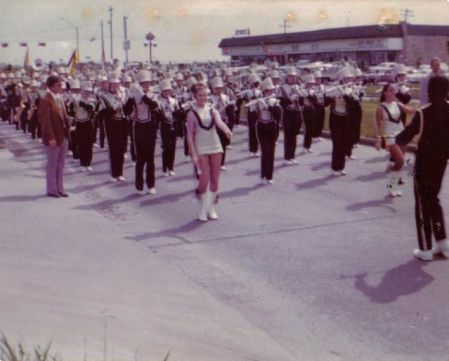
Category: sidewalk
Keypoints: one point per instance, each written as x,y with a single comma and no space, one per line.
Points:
69,277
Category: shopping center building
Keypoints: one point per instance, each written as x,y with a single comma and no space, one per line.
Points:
367,45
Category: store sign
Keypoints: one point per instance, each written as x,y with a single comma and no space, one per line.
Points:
242,32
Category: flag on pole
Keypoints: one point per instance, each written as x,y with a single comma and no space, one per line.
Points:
72,63
26,61
23,45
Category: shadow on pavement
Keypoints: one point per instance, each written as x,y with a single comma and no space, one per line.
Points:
385,202
85,188
239,192
376,160
372,176
165,199
403,280
171,232
108,204
320,166
315,182
22,198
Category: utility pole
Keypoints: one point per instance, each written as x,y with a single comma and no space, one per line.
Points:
126,43
406,13
103,56
285,25
110,30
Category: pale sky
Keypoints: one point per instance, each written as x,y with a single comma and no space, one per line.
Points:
184,30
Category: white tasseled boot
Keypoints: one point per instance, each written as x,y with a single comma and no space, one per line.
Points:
392,184
202,214
212,200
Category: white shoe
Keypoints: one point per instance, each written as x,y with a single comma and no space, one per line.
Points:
319,139
392,193
89,169
165,174
288,162
294,161
355,146
352,157
343,172
263,181
443,247
309,150
96,145
141,192
83,169
270,181
152,191
202,214
125,156
171,173
423,255
114,180
229,147
70,153
121,179
336,173
223,168
212,200
398,193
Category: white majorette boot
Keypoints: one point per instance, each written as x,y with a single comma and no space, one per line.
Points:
202,214
212,200
392,184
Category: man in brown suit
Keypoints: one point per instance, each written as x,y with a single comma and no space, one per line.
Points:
55,129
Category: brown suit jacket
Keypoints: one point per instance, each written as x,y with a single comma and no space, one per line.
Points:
54,121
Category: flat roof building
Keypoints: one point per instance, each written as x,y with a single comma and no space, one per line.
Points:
367,45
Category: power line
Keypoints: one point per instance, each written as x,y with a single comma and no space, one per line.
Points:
407,13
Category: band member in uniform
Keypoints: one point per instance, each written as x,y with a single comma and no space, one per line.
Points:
431,124
340,98
206,150
171,114
99,119
69,98
308,111
34,99
247,96
388,118
112,111
227,110
355,111
84,107
320,112
291,99
145,117
402,90
267,126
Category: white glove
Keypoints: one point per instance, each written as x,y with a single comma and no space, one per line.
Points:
349,91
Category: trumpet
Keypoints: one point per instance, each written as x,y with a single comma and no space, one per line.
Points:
269,101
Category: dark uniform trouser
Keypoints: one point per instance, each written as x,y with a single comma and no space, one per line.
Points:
252,137
339,127
309,120
117,135
355,125
168,138
24,125
266,134
145,145
73,144
85,139
292,124
35,127
131,137
224,140
100,124
318,126
428,212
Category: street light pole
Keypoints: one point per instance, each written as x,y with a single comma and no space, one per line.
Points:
77,33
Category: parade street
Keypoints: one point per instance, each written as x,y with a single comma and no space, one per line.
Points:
313,267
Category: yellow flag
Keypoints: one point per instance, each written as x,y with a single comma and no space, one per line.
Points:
26,61
72,63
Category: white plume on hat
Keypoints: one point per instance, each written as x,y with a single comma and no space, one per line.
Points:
344,72
216,82
308,78
267,84
143,76
165,85
253,78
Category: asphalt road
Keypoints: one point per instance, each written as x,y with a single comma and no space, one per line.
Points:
318,267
